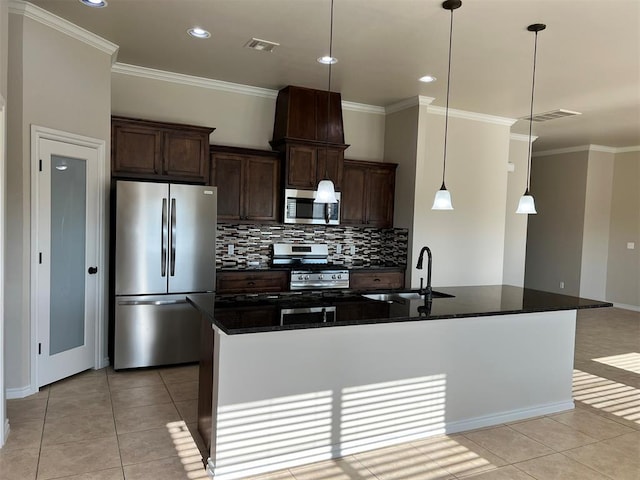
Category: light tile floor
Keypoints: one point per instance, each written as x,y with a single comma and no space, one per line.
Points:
139,425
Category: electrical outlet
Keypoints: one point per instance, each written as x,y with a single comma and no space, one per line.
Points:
230,249
338,249
561,284
353,249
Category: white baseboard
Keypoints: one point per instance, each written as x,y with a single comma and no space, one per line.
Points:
233,472
634,308
22,392
103,364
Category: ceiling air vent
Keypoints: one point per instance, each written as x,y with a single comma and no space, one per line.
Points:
262,45
553,114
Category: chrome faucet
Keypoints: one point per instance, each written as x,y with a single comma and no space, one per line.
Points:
427,292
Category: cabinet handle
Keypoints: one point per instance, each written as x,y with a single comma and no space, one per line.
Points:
251,284
376,279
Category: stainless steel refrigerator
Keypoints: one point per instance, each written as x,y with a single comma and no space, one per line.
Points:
164,250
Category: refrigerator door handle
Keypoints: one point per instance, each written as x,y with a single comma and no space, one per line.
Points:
173,238
163,250
151,302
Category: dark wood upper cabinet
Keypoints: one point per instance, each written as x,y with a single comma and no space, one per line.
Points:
144,149
368,190
306,114
248,183
308,129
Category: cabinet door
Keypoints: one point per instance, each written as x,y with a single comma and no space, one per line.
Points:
185,156
252,281
301,166
136,151
379,202
261,189
226,174
353,195
330,165
372,280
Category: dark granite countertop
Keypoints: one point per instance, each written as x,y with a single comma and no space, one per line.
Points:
238,314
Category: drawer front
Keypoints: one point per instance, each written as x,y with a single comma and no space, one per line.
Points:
368,280
253,282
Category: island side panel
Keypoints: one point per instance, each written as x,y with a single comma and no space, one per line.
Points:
292,397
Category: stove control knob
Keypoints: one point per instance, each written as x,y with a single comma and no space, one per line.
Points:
339,276
306,277
333,277
300,277
320,277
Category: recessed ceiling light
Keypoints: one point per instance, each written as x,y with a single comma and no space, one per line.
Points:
327,60
427,79
94,3
198,32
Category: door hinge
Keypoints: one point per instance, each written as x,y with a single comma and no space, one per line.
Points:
39,349
40,257
40,165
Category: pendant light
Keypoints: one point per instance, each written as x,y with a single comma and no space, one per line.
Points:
442,199
527,205
326,192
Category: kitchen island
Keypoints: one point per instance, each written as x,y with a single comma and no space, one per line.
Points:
353,374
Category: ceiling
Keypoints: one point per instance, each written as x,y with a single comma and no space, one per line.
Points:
588,57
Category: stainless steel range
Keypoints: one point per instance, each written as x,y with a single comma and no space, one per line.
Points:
310,268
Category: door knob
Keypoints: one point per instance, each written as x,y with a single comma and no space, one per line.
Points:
93,270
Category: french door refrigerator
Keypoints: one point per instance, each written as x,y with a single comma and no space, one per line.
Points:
164,250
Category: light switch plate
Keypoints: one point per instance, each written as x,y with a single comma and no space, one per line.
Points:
631,245
338,248
230,249
353,249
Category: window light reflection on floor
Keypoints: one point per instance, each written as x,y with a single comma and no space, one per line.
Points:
187,450
609,396
627,361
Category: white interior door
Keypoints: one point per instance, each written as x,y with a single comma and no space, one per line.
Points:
66,248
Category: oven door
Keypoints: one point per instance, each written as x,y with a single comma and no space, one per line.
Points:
297,316
299,207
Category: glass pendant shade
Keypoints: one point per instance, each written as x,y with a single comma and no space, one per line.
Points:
526,205
442,201
326,192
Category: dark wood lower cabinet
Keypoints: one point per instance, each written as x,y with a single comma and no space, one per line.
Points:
376,279
252,281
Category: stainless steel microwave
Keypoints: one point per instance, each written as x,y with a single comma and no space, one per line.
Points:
299,207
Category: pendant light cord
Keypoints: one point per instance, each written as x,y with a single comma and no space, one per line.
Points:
533,87
446,114
326,147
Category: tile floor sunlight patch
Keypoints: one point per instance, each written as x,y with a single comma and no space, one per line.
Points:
626,361
187,450
612,397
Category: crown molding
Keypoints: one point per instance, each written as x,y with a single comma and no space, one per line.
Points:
418,100
192,81
201,82
363,108
587,148
634,148
480,117
519,137
33,12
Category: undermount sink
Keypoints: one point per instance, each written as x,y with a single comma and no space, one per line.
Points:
402,297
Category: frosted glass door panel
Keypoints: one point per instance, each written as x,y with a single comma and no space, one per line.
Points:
68,227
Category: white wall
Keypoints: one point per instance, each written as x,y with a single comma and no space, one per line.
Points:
4,28
468,242
623,265
515,233
54,81
597,216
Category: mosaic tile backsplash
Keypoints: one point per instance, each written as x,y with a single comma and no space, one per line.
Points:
252,244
